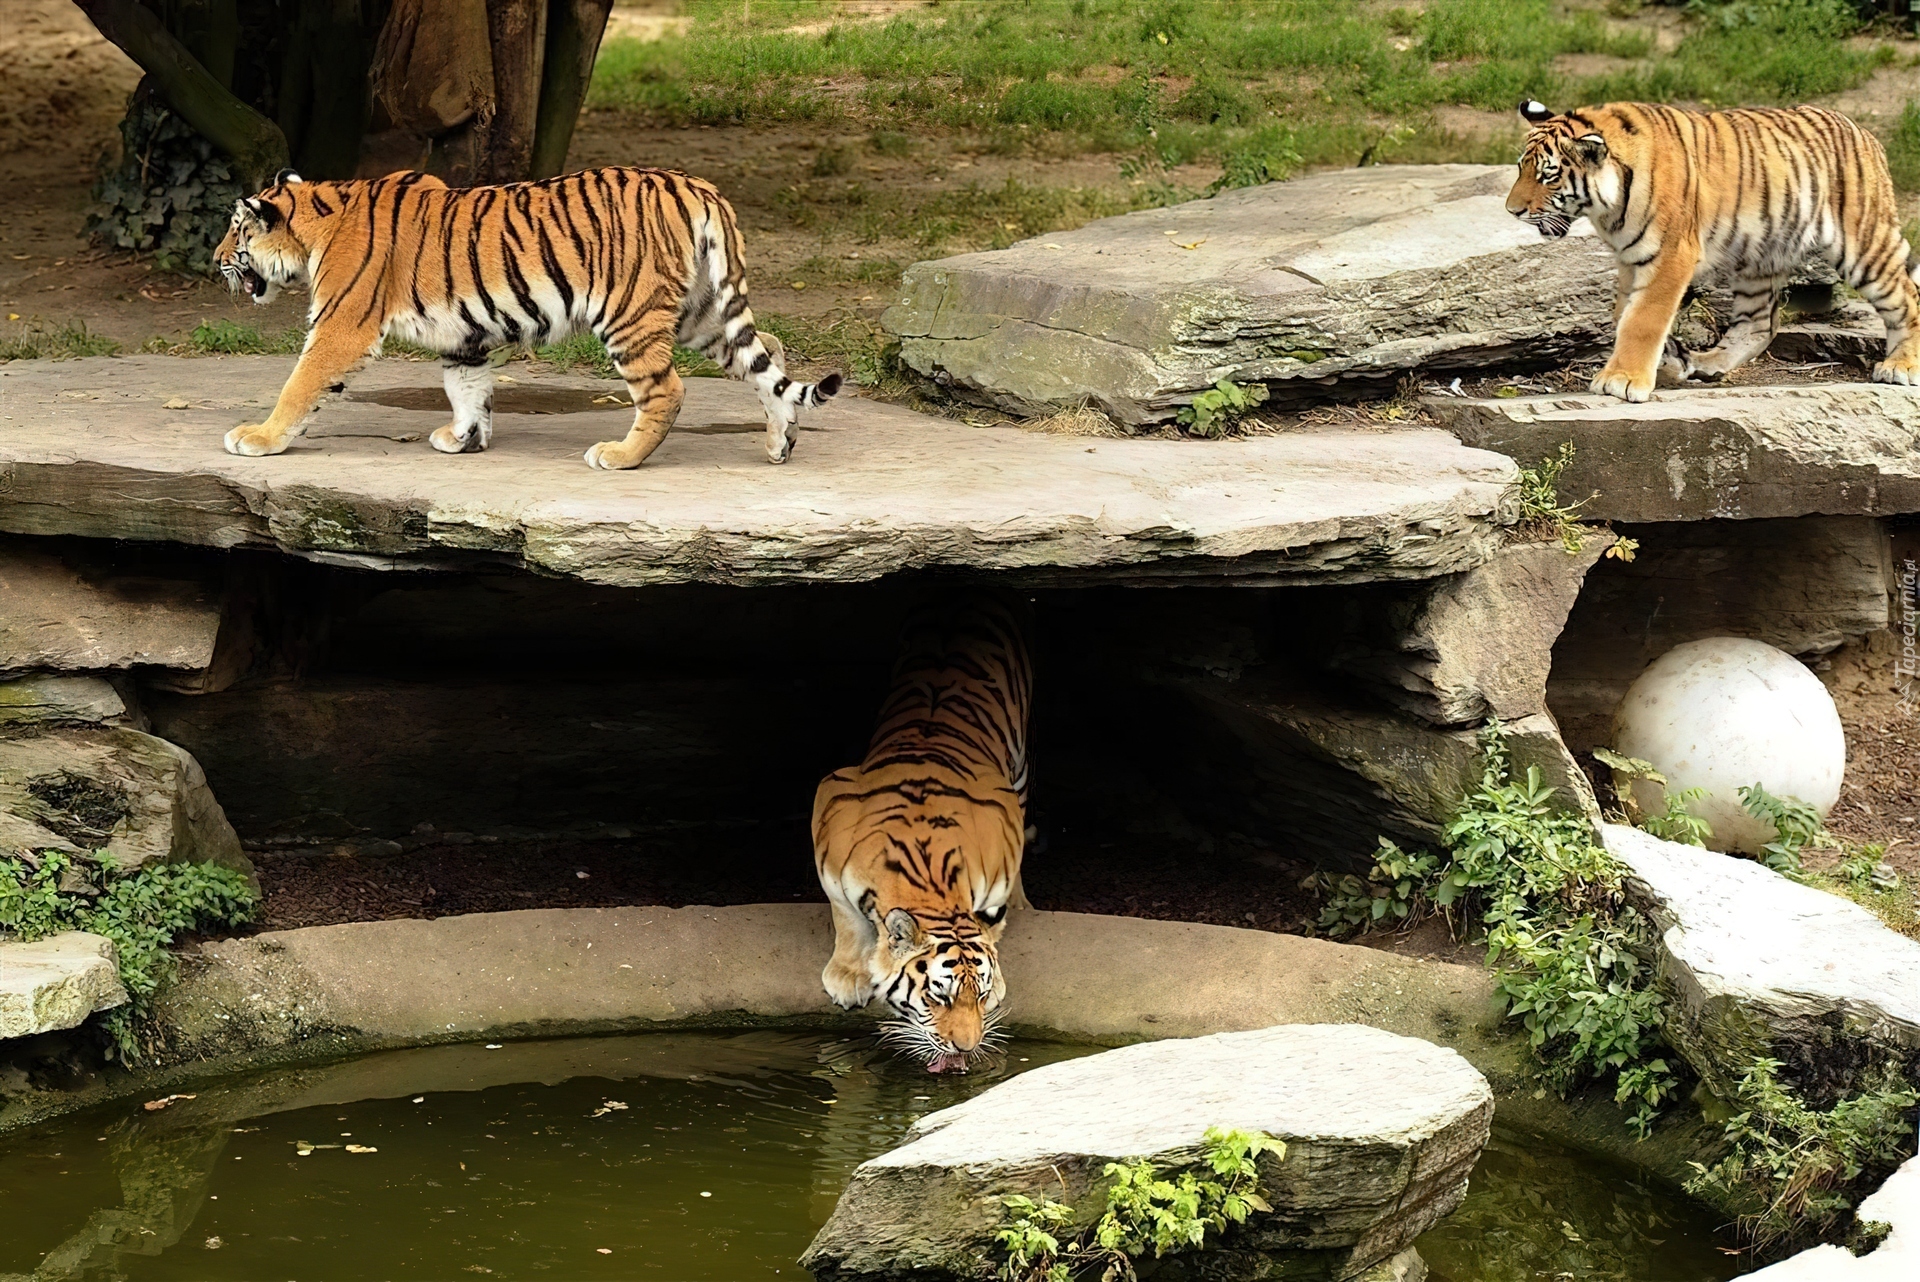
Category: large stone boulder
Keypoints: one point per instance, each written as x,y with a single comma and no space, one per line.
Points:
1693,453
110,789
48,698
1352,276
56,982
1756,964
78,618
1381,1132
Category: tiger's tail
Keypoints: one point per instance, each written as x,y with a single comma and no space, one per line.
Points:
716,322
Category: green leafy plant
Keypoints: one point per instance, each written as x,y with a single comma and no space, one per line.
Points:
1542,516
1571,956
1269,156
1796,827
1675,822
1806,1168
140,912
1396,888
1148,1211
1213,413
68,341
171,192
225,337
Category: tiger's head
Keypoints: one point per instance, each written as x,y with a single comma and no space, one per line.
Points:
1563,168
940,975
262,250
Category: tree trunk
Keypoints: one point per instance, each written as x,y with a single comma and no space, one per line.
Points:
334,41
257,146
574,28
517,31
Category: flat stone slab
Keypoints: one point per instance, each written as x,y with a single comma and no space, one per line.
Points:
69,619
1757,964
51,698
56,982
1381,1133
1691,454
1358,275
89,447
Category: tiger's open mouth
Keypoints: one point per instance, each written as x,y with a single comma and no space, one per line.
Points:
254,283
951,1062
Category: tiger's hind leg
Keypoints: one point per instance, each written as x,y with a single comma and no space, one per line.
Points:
657,393
1756,318
469,384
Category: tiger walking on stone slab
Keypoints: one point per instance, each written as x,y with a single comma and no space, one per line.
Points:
919,847
1743,196
644,259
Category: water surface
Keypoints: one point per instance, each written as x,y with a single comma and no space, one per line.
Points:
684,1156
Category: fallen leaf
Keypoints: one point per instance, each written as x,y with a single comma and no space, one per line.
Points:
406,438
13,315
608,1106
799,284
1191,244
505,378
363,1148
604,1250
176,403
214,1243
155,1105
493,1046
1049,245
611,398
303,1148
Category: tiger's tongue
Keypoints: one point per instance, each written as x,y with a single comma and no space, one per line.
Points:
947,1064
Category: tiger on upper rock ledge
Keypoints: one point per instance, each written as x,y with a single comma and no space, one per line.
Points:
642,258
1745,197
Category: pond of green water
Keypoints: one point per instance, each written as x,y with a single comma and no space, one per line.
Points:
677,1156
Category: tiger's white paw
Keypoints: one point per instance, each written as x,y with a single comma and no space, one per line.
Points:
254,439
1617,382
849,989
1905,374
449,441
612,456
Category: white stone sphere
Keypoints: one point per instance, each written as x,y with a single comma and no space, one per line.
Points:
1724,713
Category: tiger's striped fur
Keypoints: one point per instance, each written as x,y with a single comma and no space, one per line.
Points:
641,258
1744,197
919,847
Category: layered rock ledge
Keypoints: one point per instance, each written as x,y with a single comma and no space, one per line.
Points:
90,448
1696,453
1381,1134
56,982
1353,276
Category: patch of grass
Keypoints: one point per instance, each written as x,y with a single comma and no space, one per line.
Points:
1803,1167
860,350
65,343
1903,150
585,353
976,216
140,912
229,338
1198,81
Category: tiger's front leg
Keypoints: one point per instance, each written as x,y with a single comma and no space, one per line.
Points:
1641,338
848,977
329,356
469,384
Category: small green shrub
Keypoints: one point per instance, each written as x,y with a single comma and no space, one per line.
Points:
141,913
171,192
1675,822
1806,1168
1542,513
1796,826
1147,1211
1573,959
1270,156
1214,413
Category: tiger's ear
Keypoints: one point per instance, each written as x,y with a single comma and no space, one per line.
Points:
285,177
1534,112
265,213
903,930
1591,149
